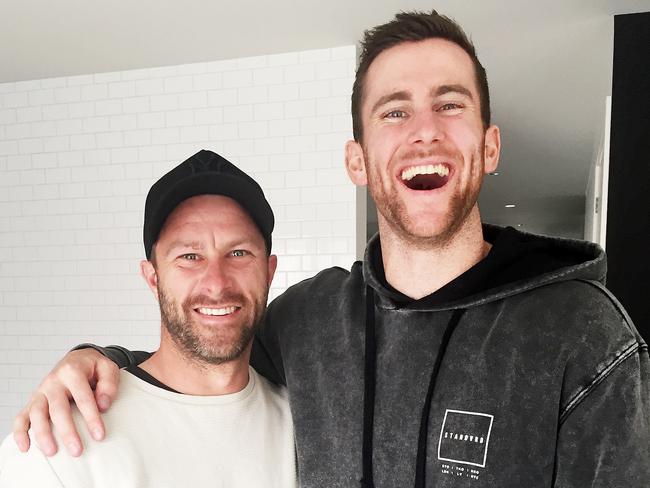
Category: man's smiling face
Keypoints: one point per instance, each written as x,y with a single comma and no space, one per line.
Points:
425,149
211,276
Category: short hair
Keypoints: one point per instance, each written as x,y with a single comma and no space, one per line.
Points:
413,27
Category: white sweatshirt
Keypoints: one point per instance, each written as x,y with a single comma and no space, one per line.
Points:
157,438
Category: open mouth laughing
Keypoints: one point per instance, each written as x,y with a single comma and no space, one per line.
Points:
425,176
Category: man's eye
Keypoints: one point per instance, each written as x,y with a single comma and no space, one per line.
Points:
450,106
190,256
238,253
395,114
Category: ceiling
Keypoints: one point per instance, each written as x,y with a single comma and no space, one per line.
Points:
549,65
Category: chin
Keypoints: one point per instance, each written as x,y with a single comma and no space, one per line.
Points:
427,230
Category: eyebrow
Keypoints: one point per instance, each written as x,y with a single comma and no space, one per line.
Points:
444,89
195,245
435,92
391,97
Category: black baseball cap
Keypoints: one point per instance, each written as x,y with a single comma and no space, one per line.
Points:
205,173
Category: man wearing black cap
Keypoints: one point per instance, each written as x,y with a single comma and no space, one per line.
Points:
194,413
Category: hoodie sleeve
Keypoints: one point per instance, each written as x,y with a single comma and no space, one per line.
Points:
121,356
604,441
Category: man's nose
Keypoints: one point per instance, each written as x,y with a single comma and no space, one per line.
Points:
425,127
216,277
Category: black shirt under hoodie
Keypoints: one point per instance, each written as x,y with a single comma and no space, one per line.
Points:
522,372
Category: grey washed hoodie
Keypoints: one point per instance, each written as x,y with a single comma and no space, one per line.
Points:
544,382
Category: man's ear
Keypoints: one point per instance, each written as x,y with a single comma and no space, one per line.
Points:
492,148
149,274
273,264
355,163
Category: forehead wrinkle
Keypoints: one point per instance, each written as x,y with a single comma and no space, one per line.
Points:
193,244
211,220
246,238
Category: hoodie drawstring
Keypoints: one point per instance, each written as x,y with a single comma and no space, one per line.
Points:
369,390
370,380
421,462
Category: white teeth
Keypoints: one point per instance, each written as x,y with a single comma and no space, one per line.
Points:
425,169
216,311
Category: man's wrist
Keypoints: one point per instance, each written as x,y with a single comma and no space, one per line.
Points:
118,354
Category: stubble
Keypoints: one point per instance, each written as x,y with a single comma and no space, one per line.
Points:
418,234
202,344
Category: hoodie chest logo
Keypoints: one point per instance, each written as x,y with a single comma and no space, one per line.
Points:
464,439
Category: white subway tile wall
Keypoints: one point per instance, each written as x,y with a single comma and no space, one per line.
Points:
78,155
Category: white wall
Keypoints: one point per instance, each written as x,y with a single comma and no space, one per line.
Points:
78,155
597,190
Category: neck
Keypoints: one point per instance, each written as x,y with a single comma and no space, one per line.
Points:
187,375
418,271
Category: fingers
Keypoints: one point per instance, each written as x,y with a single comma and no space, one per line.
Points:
84,398
70,380
40,422
61,415
108,378
20,428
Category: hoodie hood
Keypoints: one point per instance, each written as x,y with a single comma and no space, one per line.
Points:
517,262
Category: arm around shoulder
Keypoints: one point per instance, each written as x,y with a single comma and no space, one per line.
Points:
121,356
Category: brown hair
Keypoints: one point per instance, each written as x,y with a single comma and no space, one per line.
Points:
413,27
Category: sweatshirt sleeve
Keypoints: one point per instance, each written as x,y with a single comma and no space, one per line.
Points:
25,470
605,440
121,356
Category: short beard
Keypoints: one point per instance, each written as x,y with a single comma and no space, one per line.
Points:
396,216
207,350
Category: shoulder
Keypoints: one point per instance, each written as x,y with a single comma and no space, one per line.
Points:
600,340
325,285
273,401
269,390
576,329
324,281
33,468
302,306
580,310
127,438
25,469
96,467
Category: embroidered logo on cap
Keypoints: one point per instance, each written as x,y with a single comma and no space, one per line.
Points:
464,437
